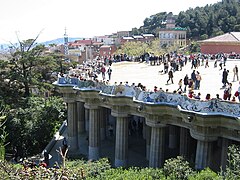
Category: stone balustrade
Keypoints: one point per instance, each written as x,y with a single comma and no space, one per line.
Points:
182,102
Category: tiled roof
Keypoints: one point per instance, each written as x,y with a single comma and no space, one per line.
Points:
228,37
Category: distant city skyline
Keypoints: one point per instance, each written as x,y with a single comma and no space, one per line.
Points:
27,18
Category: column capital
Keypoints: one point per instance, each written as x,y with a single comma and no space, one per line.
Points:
204,134
153,120
92,103
119,111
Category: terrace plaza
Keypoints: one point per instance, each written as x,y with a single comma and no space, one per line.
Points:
140,128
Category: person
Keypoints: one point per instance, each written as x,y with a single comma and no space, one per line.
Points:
229,91
103,70
208,97
65,145
198,96
46,157
190,94
180,85
224,77
109,71
239,92
235,73
193,76
198,80
170,76
217,97
110,129
185,81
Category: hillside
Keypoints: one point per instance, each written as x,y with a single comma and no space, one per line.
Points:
201,22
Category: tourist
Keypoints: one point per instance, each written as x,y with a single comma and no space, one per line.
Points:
198,79
224,77
217,97
208,97
190,94
170,76
239,92
186,82
193,76
109,72
180,85
235,73
198,96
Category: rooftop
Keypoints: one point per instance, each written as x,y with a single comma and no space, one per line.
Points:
228,37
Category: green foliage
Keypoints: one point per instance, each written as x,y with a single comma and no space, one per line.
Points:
139,48
132,173
3,133
206,174
233,167
177,168
33,125
201,22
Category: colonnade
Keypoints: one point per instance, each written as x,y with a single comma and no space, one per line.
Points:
92,118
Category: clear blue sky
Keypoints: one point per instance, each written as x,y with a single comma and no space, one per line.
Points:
83,18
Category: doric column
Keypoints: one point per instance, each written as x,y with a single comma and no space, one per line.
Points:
80,117
224,150
86,119
72,127
156,158
172,137
102,116
148,140
184,142
203,154
144,127
94,133
121,146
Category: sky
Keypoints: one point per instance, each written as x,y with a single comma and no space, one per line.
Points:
25,19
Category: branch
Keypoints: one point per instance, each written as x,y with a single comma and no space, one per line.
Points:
34,40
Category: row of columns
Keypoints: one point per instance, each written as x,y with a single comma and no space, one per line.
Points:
90,118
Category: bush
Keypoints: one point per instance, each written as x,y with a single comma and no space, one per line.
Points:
177,168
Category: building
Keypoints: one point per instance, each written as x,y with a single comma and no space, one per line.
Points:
226,43
169,124
107,50
171,35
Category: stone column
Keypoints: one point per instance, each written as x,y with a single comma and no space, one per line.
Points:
144,127
102,116
184,142
203,154
72,127
156,158
94,133
224,150
86,119
80,117
172,137
81,125
148,140
121,146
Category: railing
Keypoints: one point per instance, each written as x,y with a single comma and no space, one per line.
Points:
212,107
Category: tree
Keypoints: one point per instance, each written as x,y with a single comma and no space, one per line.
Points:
32,125
3,133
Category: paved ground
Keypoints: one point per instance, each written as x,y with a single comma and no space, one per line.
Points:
149,76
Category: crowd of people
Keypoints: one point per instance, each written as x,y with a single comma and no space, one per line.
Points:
190,84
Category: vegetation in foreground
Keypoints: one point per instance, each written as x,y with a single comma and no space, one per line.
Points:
175,168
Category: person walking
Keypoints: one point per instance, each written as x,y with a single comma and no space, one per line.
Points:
185,82
180,85
109,72
235,73
224,77
198,80
170,76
